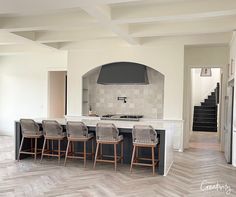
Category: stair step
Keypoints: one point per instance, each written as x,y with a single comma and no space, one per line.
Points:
205,124
205,107
204,115
209,129
212,97
205,110
209,101
208,104
204,119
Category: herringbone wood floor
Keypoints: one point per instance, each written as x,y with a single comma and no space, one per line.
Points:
201,162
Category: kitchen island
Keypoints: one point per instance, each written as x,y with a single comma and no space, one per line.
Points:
164,133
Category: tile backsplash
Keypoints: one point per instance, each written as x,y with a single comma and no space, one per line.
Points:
146,100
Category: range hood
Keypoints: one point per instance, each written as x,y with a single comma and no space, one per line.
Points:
123,73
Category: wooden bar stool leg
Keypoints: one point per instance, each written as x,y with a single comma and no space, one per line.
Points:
21,144
85,154
132,160
95,159
59,151
153,161
43,149
35,149
122,152
67,149
115,156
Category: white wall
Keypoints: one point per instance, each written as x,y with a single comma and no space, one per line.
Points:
233,56
203,86
215,56
167,59
23,86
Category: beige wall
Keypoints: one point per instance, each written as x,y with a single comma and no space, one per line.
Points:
167,59
56,94
23,86
198,57
206,55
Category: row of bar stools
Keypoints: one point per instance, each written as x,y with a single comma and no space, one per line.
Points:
107,133
144,136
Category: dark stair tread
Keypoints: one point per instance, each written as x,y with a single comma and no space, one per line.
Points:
204,119
205,127
202,122
205,115
205,110
205,107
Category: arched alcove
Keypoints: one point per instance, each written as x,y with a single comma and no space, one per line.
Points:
142,99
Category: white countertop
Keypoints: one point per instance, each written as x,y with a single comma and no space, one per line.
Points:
92,121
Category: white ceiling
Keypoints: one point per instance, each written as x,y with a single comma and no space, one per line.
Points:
59,24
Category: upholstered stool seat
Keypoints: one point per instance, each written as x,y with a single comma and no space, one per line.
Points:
144,136
107,133
53,131
30,129
78,132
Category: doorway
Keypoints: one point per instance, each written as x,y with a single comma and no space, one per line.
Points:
57,94
188,106
205,99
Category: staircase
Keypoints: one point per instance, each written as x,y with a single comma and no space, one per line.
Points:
205,116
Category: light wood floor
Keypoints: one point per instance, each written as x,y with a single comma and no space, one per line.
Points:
202,161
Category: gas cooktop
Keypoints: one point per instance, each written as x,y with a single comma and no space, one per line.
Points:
121,117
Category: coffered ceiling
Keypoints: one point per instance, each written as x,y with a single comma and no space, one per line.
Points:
60,24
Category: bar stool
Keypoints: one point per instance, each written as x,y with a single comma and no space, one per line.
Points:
78,132
107,133
53,131
30,129
144,136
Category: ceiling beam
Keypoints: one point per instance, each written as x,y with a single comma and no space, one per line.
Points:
69,36
102,15
35,7
218,25
59,21
179,11
209,39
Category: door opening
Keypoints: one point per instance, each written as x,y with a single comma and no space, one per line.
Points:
57,94
205,99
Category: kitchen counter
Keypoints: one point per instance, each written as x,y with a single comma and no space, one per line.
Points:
164,131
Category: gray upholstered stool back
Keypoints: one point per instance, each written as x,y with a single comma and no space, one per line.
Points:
107,131
76,129
29,127
144,134
52,128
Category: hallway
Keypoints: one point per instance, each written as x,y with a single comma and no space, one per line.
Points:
202,162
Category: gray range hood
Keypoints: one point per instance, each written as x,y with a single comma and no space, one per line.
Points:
123,73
